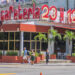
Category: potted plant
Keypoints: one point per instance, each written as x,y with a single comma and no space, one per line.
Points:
42,57
68,57
69,36
37,58
53,56
52,35
73,57
10,57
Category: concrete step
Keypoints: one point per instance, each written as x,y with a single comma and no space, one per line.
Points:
56,61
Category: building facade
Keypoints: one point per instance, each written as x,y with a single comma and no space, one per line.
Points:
15,35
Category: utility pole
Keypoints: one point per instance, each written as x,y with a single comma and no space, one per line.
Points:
67,3
74,4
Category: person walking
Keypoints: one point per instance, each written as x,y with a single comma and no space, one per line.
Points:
32,57
25,54
47,56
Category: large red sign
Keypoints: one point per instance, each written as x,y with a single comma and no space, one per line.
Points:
45,12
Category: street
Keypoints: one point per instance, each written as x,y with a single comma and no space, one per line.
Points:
26,69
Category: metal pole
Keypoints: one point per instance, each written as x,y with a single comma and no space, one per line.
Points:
67,4
74,4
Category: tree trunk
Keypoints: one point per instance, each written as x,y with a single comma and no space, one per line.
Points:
52,46
40,46
70,48
67,46
51,43
35,46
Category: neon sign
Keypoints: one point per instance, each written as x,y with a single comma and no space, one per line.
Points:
45,12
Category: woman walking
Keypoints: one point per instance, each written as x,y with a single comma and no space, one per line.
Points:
32,57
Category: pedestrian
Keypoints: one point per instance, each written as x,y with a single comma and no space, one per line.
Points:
25,54
32,57
47,56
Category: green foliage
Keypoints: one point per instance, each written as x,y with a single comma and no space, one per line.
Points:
30,53
41,37
36,54
40,53
0,53
11,53
54,34
69,35
73,54
54,54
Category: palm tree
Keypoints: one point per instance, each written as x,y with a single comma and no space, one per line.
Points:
69,35
53,34
40,37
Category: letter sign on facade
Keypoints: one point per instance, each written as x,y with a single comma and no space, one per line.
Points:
45,13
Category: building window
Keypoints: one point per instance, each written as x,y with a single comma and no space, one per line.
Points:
17,45
5,45
1,36
27,45
26,36
33,35
1,45
11,45
38,45
32,45
44,46
11,35
17,36
12,41
5,36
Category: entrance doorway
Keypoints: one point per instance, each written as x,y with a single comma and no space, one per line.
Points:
60,48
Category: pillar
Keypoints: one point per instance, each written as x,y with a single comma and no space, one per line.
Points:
50,43
21,43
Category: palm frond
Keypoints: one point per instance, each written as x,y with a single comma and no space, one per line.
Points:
41,37
54,34
69,34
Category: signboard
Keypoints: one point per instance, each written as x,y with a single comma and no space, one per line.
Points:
45,13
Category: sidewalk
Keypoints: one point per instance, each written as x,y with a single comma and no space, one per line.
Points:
42,64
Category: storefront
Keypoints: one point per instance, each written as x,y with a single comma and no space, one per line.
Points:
14,37
22,24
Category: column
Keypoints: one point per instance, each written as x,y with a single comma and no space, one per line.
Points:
21,43
50,43
49,47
